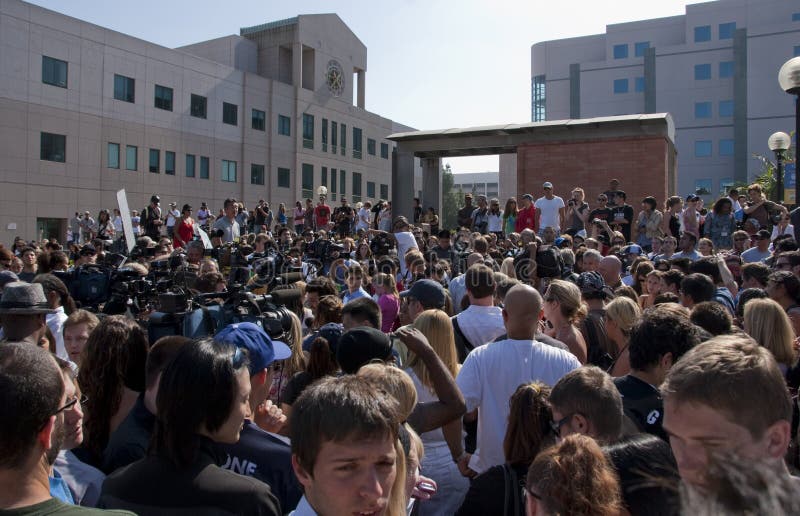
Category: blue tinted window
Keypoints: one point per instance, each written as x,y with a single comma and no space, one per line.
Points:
640,47
702,148
795,16
702,33
639,85
726,147
702,109
725,69
796,50
620,51
702,72
621,86
725,108
726,30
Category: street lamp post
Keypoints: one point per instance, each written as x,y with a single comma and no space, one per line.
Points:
779,143
789,79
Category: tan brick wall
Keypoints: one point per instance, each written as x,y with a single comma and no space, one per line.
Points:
642,165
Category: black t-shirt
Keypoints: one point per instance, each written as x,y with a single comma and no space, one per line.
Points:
576,224
619,213
642,403
486,493
417,213
295,387
465,216
600,213
343,215
130,440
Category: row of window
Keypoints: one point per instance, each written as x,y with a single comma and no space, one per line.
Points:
639,48
705,148
702,72
337,130
623,86
704,109
702,33
336,183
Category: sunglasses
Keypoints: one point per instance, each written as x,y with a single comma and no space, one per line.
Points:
601,199
555,426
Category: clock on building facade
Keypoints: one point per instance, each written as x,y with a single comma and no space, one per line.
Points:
334,78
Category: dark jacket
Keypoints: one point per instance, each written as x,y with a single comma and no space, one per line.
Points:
154,485
131,439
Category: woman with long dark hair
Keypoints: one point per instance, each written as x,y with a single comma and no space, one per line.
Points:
58,299
721,224
203,398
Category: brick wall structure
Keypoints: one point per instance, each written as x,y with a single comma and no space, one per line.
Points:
644,165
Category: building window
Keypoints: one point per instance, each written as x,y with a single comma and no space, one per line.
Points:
324,135
795,16
163,99
155,158
356,187
702,109
344,138
385,192
190,165
342,183
54,72
640,47
638,84
124,88
230,113
131,157
702,33
357,143
169,163
308,131
334,184
621,51
256,174
725,69
384,151
284,178
205,165
538,101
323,176
199,106
726,147
796,50
113,155
284,125
702,148
334,136
702,72
620,86
259,120
228,171
725,108
371,189
308,180
370,146
726,30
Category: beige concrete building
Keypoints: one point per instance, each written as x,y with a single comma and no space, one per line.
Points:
268,114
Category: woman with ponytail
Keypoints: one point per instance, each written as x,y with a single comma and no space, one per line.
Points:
564,310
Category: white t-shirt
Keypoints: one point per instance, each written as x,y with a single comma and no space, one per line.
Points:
172,215
481,324
363,219
489,377
405,241
548,209
495,222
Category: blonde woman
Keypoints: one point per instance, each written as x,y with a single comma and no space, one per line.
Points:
438,463
621,314
766,321
388,300
564,309
650,289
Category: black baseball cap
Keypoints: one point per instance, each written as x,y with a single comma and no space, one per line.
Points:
360,346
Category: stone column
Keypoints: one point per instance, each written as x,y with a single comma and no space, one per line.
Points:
361,89
403,183
297,64
432,184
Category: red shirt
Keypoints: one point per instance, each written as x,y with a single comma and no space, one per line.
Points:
527,219
185,231
323,215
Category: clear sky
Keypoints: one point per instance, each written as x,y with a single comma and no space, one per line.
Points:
432,64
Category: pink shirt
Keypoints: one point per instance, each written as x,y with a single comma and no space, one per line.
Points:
390,308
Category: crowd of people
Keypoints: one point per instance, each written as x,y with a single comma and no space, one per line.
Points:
542,357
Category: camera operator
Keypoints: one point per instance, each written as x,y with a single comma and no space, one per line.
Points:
228,223
577,212
194,253
86,256
343,216
261,214
402,237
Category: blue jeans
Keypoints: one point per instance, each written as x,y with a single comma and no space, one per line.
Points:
452,486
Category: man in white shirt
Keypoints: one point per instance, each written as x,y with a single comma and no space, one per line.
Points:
481,322
404,239
363,217
551,209
492,373
172,215
228,223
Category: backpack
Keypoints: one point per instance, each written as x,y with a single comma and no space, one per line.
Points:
549,263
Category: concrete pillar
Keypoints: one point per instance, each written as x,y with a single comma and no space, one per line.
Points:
361,88
650,80
575,91
432,184
403,183
297,64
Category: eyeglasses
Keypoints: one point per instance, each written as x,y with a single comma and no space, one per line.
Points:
525,491
67,406
741,239
555,426
601,199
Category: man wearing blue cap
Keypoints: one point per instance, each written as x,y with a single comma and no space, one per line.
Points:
260,454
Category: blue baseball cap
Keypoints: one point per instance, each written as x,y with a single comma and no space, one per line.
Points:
261,349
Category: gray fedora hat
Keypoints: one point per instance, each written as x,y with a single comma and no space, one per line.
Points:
24,299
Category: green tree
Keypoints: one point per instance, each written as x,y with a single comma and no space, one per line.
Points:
450,199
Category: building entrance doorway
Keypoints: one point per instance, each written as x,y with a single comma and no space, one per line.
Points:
51,228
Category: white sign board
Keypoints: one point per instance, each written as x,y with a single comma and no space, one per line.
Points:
125,212
204,238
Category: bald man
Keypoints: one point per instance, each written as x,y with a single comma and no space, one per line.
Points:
492,373
610,268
